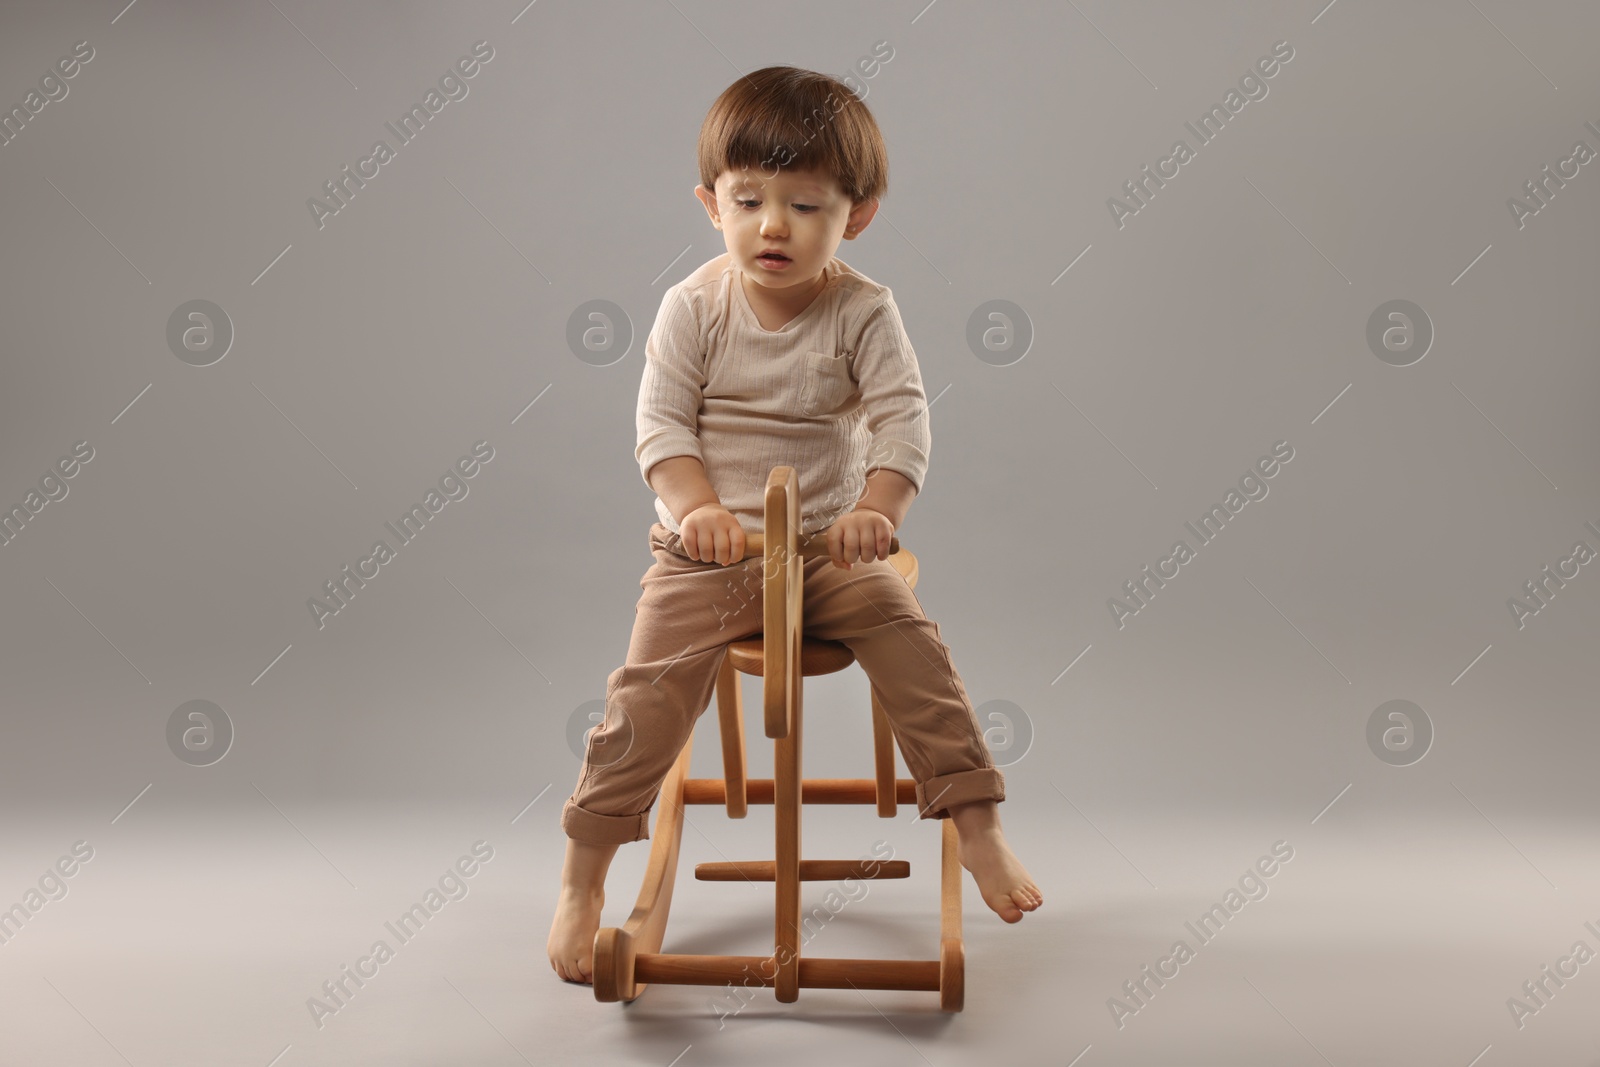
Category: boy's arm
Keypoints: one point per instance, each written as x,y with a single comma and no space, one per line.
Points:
897,414
680,482
668,415
888,492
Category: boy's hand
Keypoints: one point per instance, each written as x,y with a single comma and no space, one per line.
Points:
861,535
712,535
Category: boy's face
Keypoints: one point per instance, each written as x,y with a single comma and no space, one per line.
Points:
803,214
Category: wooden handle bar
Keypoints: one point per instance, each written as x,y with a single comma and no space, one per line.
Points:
810,546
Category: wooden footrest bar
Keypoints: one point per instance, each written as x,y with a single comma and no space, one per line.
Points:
810,870
812,791
815,972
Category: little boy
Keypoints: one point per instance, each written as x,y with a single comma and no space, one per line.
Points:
778,354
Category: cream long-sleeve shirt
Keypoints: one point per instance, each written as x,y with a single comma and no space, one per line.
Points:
835,393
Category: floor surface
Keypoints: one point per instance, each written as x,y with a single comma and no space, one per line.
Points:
207,937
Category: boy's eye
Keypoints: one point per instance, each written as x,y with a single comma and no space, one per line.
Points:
808,208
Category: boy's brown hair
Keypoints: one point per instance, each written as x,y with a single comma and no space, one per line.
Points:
779,117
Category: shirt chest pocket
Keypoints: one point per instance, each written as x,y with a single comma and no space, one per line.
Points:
827,383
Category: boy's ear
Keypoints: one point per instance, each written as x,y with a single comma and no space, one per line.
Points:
709,199
860,216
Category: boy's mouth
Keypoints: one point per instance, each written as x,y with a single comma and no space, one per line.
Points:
773,255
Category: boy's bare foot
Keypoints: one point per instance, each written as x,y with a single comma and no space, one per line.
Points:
1002,880
571,944
981,847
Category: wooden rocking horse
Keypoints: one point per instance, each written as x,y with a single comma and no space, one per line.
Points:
627,960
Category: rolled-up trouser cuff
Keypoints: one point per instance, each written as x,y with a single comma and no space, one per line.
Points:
935,796
596,829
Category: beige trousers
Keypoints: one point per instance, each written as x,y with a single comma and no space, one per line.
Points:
689,613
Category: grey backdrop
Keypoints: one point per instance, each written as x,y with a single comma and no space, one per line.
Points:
1142,367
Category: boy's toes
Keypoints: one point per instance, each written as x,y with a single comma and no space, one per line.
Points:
571,970
1005,906
1024,900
